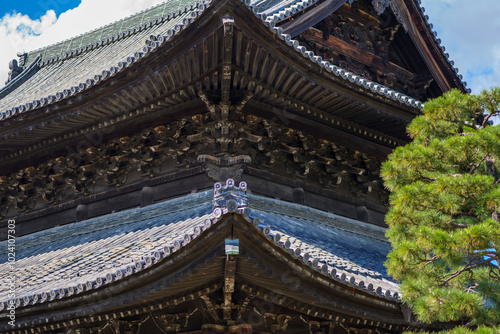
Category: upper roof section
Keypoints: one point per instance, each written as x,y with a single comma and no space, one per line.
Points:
75,62
131,25
180,63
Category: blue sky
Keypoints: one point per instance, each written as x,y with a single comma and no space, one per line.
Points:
469,30
27,25
37,8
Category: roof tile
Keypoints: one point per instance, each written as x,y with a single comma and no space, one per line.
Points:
87,254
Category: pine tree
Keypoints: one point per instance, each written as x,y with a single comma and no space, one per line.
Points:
443,218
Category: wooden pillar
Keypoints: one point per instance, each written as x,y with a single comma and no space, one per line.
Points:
299,196
82,212
362,214
147,196
229,278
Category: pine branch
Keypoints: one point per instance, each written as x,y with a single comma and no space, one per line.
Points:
457,225
467,267
486,119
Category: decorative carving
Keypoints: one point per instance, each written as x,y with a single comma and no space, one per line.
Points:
254,142
380,5
127,326
355,40
388,79
354,34
355,67
174,322
148,153
22,58
229,197
229,278
217,173
347,30
277,322
15,70
366,34
209,306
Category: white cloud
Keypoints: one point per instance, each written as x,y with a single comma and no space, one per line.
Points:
16,30
20,33
469,31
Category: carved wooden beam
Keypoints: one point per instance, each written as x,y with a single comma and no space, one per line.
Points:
255,142
127,327
210,307
311,17
213,328
363,56
229,278
228,23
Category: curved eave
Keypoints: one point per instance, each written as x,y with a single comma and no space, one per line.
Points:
429,46
132,293
197,267
117,96
292,51
330,289
409,13
68,108
131,40
350,80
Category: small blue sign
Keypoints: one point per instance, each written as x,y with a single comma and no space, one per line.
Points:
232,246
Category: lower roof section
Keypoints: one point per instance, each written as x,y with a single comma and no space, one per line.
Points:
86,257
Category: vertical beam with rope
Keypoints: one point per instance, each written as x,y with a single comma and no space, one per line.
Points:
228,23
232,251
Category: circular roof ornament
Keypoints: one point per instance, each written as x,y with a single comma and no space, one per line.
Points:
232,205
217,213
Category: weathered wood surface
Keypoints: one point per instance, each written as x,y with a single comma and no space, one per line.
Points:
311,17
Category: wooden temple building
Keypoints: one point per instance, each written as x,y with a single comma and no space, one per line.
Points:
213,167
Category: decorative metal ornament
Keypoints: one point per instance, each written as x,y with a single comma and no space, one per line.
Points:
380,5
229,198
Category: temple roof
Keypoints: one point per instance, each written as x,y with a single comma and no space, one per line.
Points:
64,69
75,258
71,66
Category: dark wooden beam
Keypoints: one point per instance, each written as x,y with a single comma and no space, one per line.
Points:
227,57
229,278
312,17
421,35
353,52
349,140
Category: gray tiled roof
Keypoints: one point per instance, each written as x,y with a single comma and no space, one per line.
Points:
65,70
345,249
74,65
74,254
338,242
122,26
76,257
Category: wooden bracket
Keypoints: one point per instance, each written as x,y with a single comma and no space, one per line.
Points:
229,278
228,22
313,16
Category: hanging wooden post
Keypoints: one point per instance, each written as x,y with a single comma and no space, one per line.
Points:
232,251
